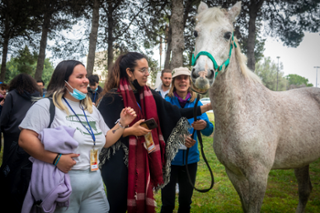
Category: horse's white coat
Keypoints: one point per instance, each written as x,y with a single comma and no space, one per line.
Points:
256,129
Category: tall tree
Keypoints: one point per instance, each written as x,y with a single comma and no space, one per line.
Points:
158,24
169,47
93,37
153,28
118,26
55,15
177,27
16,22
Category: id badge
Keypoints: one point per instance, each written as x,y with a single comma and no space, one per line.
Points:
94,159
149,143
183,146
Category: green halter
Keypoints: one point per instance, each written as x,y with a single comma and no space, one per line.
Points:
216,66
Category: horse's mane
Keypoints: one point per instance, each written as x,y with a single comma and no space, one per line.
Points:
242,60
218,15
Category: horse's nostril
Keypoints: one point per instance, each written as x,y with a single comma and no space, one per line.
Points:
193,73
210,74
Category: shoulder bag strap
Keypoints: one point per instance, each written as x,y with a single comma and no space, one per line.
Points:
52,111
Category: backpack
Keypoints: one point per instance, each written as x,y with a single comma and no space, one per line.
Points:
15,174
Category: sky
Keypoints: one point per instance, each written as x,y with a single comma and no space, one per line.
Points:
300,60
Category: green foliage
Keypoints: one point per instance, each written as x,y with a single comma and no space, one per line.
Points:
22,63
298,80
267,70
26,62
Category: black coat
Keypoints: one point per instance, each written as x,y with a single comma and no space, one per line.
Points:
14,109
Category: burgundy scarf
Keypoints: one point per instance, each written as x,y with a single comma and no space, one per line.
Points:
144,170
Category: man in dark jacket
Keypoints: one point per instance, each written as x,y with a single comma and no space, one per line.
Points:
94,89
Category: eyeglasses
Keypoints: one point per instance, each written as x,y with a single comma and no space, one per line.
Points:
144,70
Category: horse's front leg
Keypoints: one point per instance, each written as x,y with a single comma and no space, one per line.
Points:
241,184
251,186
258,179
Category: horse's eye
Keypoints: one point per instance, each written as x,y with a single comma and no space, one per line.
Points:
227,35
195,33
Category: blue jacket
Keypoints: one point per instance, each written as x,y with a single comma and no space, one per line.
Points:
193,156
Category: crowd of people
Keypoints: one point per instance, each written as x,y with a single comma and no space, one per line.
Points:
80,137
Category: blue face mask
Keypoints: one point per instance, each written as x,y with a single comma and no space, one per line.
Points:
76,93
96,89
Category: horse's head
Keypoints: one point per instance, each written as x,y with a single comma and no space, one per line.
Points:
214,43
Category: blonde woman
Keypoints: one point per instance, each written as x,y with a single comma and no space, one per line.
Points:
73,108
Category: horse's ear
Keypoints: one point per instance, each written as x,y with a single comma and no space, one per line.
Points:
234,11
202,7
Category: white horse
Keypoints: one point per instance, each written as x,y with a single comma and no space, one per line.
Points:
256,129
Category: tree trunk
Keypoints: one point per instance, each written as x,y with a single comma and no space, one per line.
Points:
110,37
168,50
4,52
176,23
43,46
93,37
254,8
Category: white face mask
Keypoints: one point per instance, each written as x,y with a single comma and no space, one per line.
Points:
76,93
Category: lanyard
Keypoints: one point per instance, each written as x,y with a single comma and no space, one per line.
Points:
139,106
94,99
90,132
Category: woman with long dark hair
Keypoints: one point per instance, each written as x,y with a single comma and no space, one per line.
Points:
22,89
18,101
73,108
129,169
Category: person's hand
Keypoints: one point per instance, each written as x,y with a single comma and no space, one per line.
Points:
205,108
2,102
127,115
138,130
66,162
199,124
189,142
208,106
93,103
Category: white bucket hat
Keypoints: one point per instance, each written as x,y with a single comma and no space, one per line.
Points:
181,71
